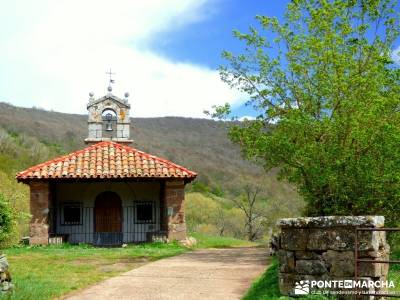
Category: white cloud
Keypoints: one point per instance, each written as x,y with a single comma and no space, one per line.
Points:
52,60
248,118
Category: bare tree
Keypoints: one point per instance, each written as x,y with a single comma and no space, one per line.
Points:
249,204
221,220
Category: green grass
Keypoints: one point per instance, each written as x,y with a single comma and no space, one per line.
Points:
48,272
394,273
209,241
266,287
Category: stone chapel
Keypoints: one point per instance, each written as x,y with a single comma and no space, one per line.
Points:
108,193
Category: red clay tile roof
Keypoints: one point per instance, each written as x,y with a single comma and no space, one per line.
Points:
106,160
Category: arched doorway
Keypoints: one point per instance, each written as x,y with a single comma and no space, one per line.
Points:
108,213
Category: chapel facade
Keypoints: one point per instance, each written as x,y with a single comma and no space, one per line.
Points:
108,193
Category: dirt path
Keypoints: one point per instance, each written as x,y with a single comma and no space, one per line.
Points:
202,274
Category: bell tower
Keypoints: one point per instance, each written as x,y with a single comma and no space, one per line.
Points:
108,118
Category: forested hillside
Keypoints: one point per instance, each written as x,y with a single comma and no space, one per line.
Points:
29,136
199,144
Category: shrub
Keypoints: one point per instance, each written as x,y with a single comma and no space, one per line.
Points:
199,210
6,220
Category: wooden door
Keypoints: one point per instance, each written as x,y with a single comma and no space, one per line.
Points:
108,213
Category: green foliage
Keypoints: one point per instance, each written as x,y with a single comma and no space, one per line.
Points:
218,191
199,210
19,151
200,187
6,220
208,215
329,97
17,196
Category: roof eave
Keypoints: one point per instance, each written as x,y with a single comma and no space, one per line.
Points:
27,180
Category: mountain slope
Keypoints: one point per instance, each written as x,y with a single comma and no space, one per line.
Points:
198,144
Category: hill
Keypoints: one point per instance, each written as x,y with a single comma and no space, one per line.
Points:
34,135
29,136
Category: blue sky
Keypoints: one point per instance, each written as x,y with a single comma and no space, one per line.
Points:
164,53
203,42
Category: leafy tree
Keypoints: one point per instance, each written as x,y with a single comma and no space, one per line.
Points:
6,220
200,187
328,95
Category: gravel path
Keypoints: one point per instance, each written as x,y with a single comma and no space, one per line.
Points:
201,274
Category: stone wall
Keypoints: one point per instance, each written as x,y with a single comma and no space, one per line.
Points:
322,248
174,202
5,278
96,125
39,208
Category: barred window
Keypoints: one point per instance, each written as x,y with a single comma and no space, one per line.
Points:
71,214
144,212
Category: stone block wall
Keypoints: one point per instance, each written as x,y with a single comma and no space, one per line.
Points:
322,248
174,203
96,108
39,207
5,277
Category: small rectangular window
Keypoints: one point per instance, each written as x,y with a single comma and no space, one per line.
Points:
144,212
71,214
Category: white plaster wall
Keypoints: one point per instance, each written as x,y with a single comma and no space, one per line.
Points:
86,193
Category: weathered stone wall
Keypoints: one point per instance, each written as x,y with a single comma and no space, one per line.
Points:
322,248
5,278
39,207
174,201
96,108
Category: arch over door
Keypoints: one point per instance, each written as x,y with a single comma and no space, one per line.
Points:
108,212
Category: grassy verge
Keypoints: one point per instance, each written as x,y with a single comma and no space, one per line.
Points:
208,241
394,273
48,272
266,287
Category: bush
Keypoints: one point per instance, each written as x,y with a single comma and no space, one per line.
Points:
208,215
17,195
199,210
6,220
